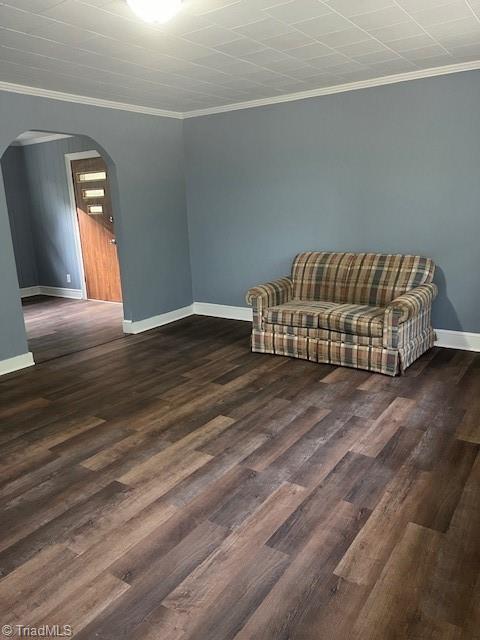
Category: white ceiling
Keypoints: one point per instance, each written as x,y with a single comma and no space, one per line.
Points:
218,52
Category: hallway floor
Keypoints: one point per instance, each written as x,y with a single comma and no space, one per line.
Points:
59,326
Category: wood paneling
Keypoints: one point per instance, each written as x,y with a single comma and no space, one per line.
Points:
174,486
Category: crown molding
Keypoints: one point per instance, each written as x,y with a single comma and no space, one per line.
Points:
94,102
474,65
38,139
338,88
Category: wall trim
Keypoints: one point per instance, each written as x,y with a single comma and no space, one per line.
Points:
57,292
69,157
339,88
82,155
222,311
138,326
17,362
446,338
94,102
62,292
249,104
28,138
465,340
28,292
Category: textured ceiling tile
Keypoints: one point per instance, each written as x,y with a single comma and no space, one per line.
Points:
424,52
210,36
266,55
310,51
240,47
414,42
467,52
324,62
349,8
343,38
382,18
326,24
266,28
361,48
35,6
393,66
234,15
417,5
455,28
289,41
378,56
214,51
444,13
397,32
298,10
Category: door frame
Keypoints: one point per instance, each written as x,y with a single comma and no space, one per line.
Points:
69,157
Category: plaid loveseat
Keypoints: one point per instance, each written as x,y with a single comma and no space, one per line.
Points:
364,310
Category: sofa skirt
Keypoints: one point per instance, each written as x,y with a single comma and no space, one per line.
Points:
374,358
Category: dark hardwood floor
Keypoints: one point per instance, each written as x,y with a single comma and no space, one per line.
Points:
174,486
57,326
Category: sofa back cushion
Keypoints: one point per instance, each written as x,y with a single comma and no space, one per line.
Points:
320,275
358,278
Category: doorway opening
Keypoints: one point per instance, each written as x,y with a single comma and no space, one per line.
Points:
59,190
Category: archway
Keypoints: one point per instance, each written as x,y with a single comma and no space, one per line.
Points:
50,225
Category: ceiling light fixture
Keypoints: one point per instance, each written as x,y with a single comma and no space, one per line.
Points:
158,11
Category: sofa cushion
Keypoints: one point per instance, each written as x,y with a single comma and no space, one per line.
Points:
323,334
320,275
377,278
346,318
358,278
298,313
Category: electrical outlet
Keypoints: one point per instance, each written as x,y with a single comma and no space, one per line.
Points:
69,279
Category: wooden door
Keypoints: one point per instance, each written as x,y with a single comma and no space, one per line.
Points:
96,225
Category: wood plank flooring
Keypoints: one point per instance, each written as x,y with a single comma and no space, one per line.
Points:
174,486
58,326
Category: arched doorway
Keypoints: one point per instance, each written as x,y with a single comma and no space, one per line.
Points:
60,192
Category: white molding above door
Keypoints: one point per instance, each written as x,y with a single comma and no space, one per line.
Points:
69,158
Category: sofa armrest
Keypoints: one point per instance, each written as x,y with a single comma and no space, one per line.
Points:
411,303
414,306
267,295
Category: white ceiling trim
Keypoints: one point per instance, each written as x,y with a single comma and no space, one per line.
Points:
94,102
339,88
250,104
37,137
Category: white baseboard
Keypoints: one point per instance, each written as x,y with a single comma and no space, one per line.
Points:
464,340
57,292
62,292
137,326
27,292
16,363
445,338
222,311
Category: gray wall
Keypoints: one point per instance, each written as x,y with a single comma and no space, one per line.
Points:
394,168
52,222
145,157
19,211
39,211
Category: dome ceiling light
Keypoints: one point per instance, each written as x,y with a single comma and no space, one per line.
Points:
155,11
